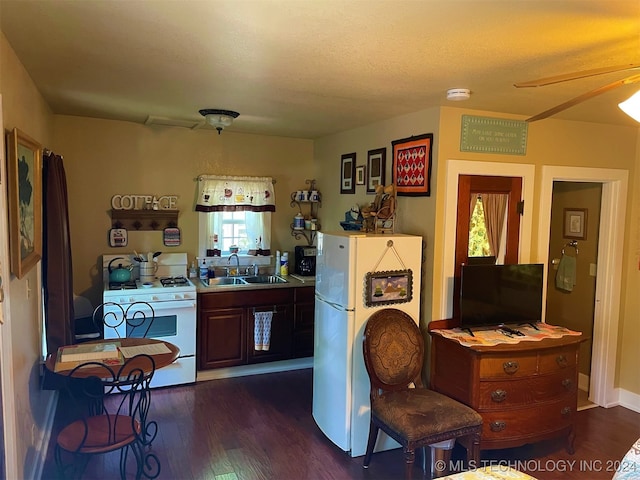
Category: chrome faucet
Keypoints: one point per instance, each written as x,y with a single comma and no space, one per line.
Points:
236,271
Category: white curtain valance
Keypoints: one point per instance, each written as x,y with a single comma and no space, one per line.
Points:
229,194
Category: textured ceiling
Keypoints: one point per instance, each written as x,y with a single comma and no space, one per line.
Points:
308,68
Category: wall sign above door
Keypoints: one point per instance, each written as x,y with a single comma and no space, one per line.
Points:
493,135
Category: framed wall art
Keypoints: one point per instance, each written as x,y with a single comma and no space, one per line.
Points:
412,165
24,158
376,167
388,288
575,223
348,173
360,180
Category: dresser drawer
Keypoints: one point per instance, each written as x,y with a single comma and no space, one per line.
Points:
500,394
558,359
508,365
521,423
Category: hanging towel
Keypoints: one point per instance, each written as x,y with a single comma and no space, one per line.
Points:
566,274
262,330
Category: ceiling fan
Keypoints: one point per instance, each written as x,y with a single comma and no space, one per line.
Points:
585,96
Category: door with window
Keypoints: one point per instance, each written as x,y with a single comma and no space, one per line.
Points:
475,195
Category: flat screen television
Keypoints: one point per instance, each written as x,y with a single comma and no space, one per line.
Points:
493,295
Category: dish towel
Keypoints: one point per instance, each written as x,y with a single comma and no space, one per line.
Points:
262,330
566,274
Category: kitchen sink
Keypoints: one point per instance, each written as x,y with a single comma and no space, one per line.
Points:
264,279
218,281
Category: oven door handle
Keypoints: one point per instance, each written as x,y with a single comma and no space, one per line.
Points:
177,305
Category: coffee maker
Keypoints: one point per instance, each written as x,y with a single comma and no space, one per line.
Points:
305,260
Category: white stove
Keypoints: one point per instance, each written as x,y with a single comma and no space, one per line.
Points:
172,297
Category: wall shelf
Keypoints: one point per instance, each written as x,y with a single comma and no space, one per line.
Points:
144,219
309,209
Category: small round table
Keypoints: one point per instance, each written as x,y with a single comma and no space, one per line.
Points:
161,360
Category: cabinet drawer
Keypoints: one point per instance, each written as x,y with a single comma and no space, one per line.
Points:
558,359
245,298
508,366
497,395
529,421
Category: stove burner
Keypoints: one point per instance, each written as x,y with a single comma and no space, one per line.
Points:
174,281
122,285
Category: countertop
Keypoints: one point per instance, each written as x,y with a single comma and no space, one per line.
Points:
293,281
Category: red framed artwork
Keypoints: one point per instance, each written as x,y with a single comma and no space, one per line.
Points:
412,165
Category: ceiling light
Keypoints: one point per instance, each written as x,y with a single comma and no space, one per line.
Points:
219,118
457,94
631,106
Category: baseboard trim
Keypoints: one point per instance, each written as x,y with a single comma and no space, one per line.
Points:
629,400
257,369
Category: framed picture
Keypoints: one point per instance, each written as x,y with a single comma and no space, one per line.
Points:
348,173
412,165
376,167
575,223
360,175
387,288
24,157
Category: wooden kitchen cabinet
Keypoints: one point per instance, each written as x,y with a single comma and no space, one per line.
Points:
222,337
226,326
303,319
525,392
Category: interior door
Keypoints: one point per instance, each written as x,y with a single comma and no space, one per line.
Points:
469,185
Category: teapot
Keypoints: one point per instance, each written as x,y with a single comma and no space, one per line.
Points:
120,274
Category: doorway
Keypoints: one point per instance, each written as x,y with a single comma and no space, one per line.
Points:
573,249
609,266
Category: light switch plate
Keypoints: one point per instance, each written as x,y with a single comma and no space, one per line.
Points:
592,269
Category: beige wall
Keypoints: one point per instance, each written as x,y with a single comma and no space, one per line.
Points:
23,107
550,142
103,158
416,215
629,337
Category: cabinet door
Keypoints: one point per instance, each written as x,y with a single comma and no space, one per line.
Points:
303,322
280,338
223,338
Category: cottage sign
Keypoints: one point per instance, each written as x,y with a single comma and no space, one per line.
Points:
143,202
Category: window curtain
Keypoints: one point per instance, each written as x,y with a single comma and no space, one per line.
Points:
495,209
229,194
57,273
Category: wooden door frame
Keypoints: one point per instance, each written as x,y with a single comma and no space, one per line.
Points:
610,261
443,290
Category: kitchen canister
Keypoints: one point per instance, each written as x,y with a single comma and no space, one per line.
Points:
298,222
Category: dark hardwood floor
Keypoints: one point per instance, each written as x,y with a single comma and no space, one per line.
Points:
260,427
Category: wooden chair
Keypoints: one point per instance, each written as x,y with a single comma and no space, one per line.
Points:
401,406
113,403
136,320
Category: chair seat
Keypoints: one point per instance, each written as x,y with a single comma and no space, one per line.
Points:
419,413
98,430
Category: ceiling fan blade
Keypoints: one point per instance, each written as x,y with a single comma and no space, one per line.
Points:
576,75
585,96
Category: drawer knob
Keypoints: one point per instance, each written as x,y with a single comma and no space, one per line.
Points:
567,383
565,411
510,367
561,360
497,426
498,396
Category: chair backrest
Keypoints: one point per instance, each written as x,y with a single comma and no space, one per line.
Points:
135,320
393,349
89,387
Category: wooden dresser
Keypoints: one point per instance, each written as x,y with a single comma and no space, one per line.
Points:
525,392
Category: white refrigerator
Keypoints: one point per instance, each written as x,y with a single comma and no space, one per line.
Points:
340,381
